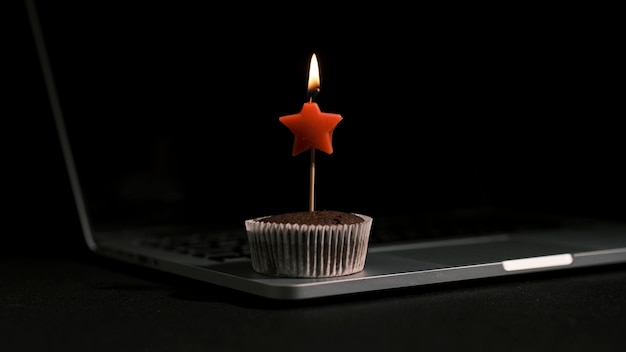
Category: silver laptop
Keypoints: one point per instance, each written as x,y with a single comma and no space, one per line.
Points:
168,123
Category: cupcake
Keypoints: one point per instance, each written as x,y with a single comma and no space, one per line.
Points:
309,244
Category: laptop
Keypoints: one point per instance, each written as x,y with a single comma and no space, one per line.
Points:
461,145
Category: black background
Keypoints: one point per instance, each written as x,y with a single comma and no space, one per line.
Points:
442,108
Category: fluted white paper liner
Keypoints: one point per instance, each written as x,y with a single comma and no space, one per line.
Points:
293,250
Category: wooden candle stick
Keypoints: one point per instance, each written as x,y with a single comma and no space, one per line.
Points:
312,128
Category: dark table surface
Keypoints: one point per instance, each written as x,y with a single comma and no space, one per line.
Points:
76,301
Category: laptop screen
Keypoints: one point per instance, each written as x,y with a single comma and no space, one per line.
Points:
172,113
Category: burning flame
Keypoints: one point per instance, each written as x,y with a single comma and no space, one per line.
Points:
314,77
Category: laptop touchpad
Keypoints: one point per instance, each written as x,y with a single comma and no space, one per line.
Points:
484,252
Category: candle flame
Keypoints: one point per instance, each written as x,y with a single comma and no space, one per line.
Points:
314,76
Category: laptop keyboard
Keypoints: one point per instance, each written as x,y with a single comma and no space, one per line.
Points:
233,246
402,229
221,247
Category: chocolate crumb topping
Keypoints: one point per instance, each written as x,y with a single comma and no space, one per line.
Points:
318,217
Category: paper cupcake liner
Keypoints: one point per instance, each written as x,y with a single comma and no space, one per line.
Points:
294,250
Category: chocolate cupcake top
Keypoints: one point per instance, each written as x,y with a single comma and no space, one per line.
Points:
317,217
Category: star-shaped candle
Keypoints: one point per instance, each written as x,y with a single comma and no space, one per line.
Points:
312,128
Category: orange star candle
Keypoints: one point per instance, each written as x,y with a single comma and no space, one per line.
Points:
312,128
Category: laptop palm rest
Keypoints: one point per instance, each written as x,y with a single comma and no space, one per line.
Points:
435,255
486,252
